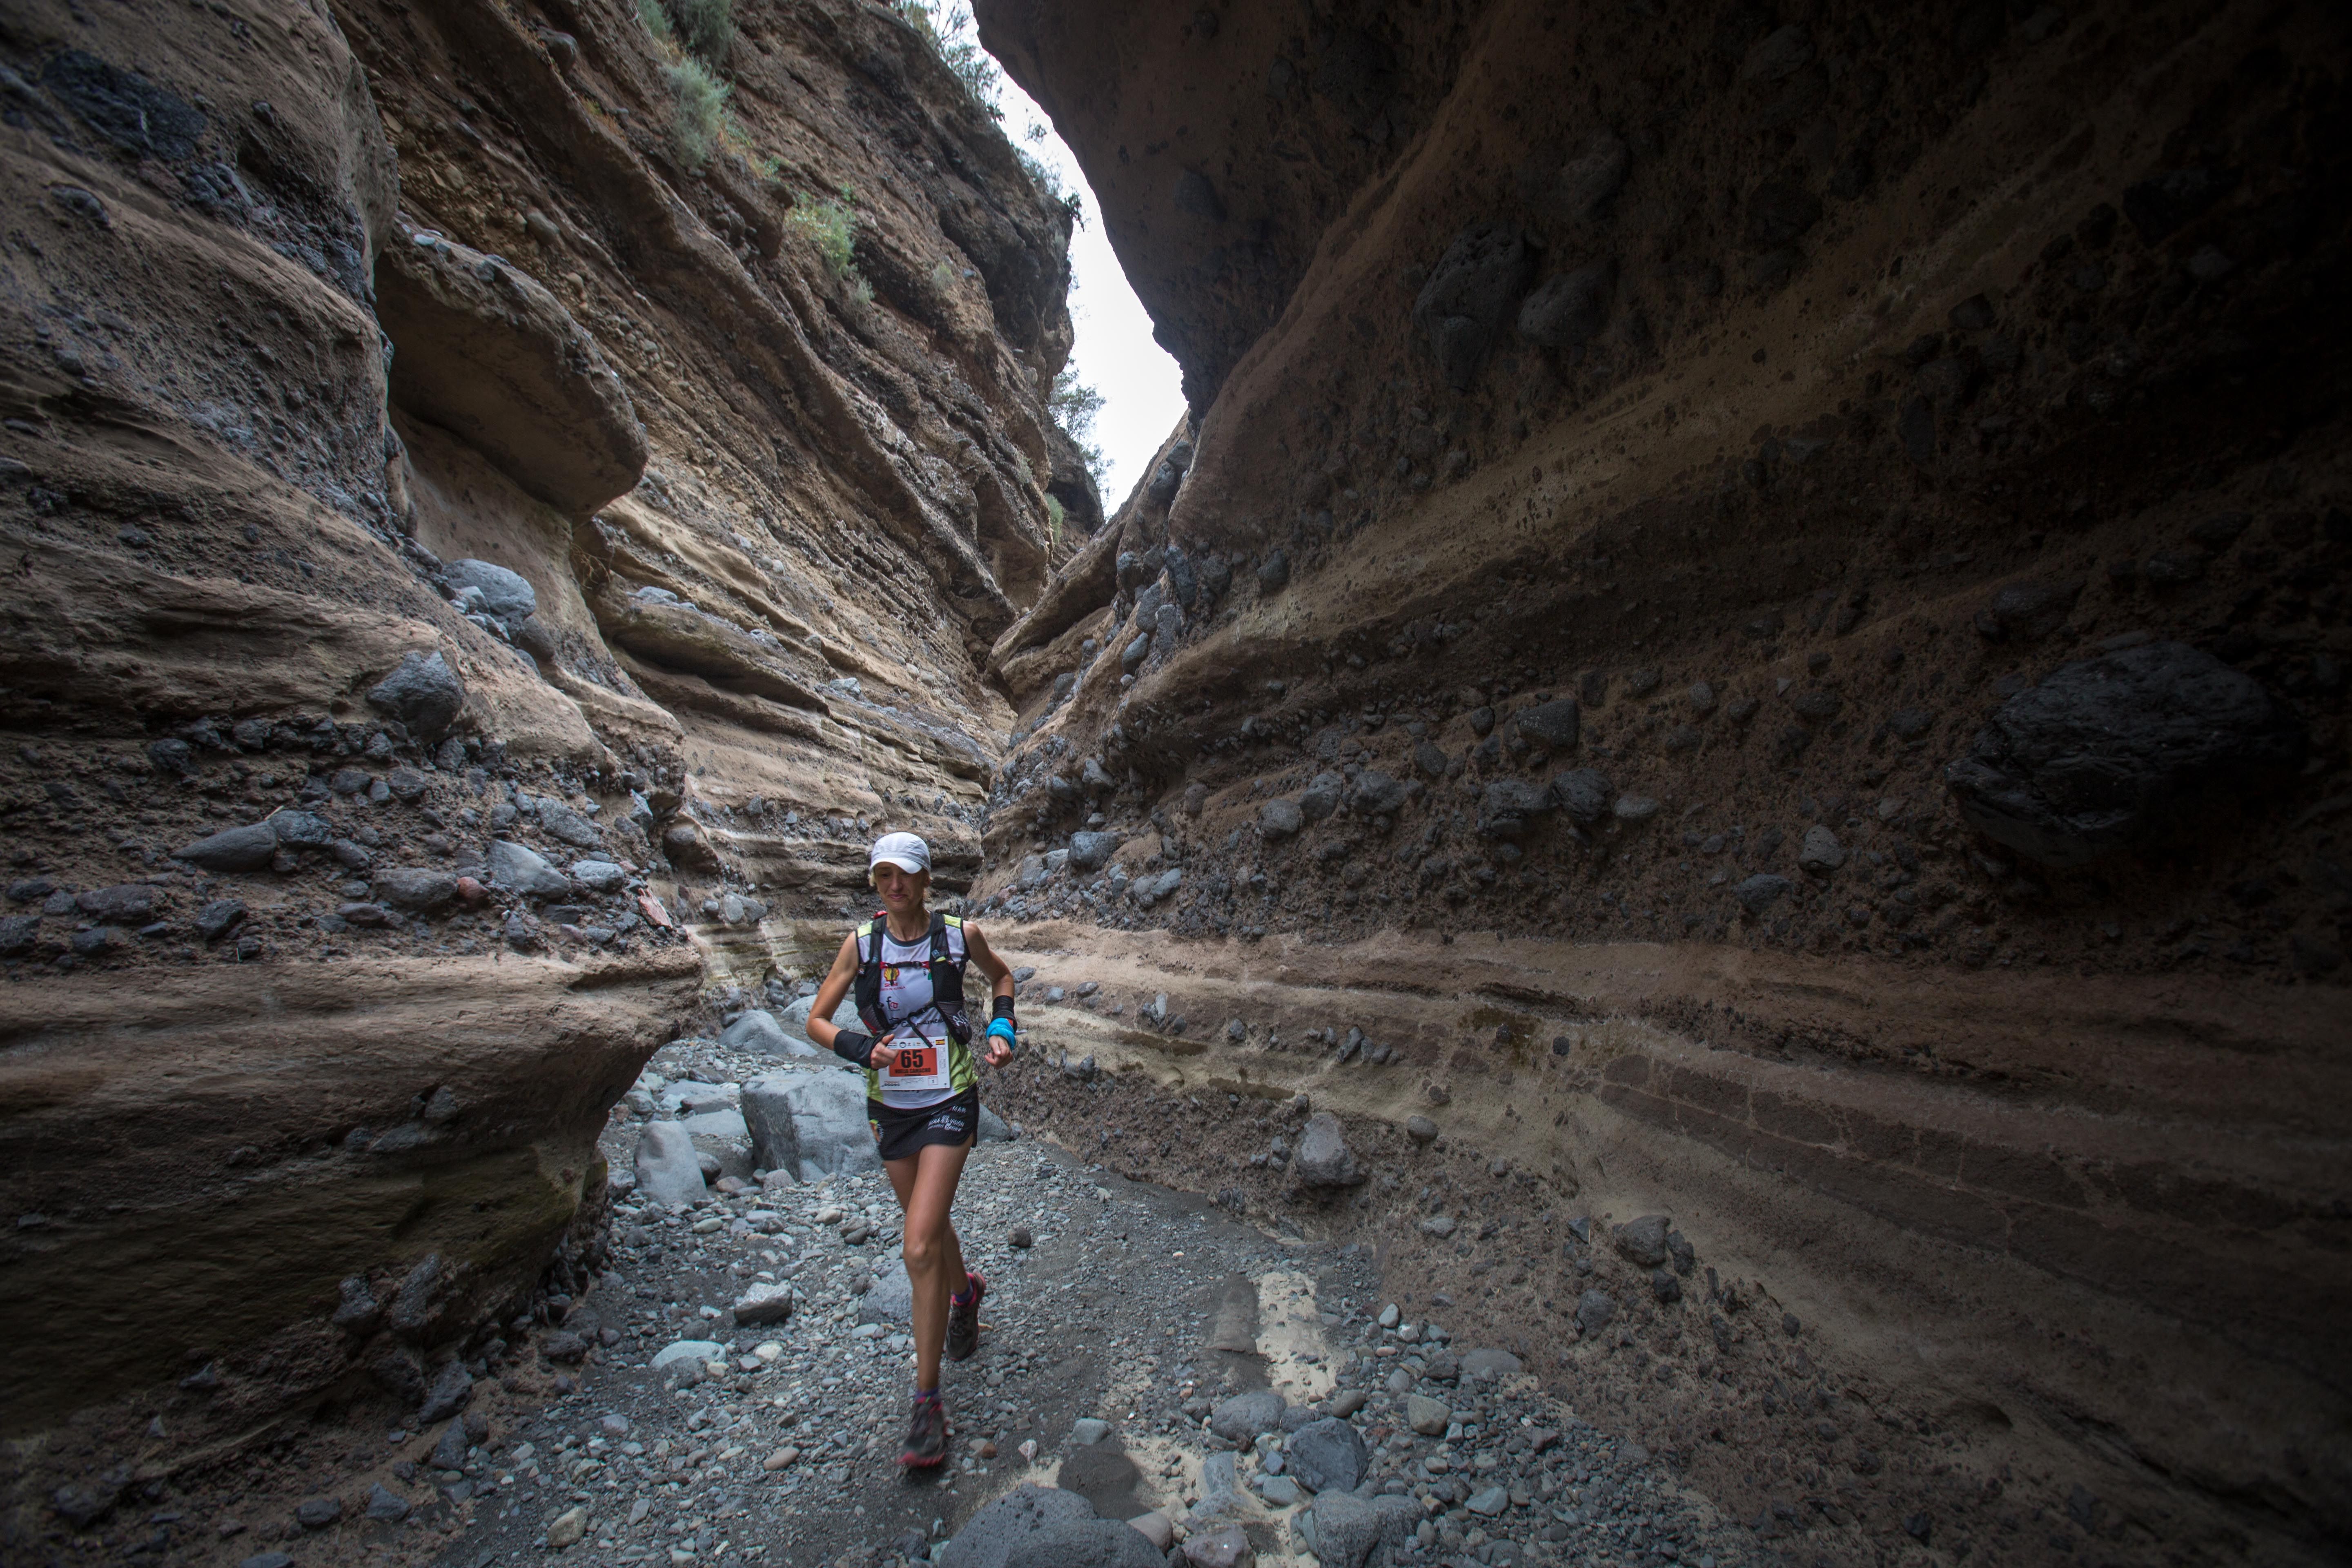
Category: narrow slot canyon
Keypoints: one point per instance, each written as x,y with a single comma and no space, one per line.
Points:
1676,869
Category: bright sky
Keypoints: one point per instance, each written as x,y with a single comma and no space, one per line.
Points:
1142,392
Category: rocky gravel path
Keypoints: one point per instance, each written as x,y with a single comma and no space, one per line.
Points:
1148,1357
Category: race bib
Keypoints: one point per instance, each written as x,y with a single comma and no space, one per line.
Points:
914,1061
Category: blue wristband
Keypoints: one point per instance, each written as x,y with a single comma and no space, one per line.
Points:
1002,1030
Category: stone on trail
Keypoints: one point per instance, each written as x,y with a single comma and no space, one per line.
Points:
599,876
1088,1430
1347,1531
1420,1129
764,1303
1489,1502
1156,1527
1490,1363
695,1350
1226,1546
568,1528
1091,851
811,1124
1279,818
1327,1456
1644,1240
386,1504
891,1298
668,1169
1241,1418
317,1512
1324,1158
1045,1527
1594,1309
1427,1416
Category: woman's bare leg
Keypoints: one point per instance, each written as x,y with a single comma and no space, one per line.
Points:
926,1183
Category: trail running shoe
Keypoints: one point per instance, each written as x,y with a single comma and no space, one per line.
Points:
927,1434
964,1320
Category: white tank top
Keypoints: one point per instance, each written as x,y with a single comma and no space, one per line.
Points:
925,1048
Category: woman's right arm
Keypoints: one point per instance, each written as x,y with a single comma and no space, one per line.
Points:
837,981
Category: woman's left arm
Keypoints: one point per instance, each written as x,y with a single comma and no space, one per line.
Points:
999,975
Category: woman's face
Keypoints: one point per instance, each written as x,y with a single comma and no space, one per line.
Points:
901,890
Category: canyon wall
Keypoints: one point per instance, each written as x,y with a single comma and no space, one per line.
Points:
498,503
1749,622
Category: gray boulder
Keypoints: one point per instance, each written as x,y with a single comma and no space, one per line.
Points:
891,1298
1644,1240
301,830
1348,1532
1279,818
1821,853
668,1169
415,888
758,1030
506,593
569,825
1045,1527
516,869
1149,890
795,1016
1594,1309
1469,295
1761,893
1511,806
1320,798
1324,1158
1092,851
764,1303
248,848
599,876
1552,725
423,693
2072,767
1490,1363
1377,795
1585,793
811,1124
1569,307
1328,1456
1241,1418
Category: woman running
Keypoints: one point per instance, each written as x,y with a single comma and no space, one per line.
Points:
922,1097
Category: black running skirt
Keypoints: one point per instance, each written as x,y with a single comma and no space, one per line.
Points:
898,1133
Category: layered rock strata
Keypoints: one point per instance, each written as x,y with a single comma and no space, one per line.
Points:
486,546
1824,534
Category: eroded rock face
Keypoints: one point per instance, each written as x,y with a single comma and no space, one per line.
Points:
484,350
322,689
1605,399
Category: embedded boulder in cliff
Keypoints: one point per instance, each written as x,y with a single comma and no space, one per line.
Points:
481,348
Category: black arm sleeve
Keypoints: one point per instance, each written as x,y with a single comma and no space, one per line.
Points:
853,1047
1001,1007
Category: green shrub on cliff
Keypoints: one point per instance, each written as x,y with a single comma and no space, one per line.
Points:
948,30
707,27
698,114
832,226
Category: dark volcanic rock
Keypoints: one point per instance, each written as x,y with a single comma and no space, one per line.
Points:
1469,294
2068,768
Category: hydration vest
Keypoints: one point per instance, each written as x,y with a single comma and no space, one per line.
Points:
946,979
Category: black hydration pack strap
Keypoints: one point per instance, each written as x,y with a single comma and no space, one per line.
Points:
947,983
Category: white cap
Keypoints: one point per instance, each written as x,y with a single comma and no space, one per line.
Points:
903,850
